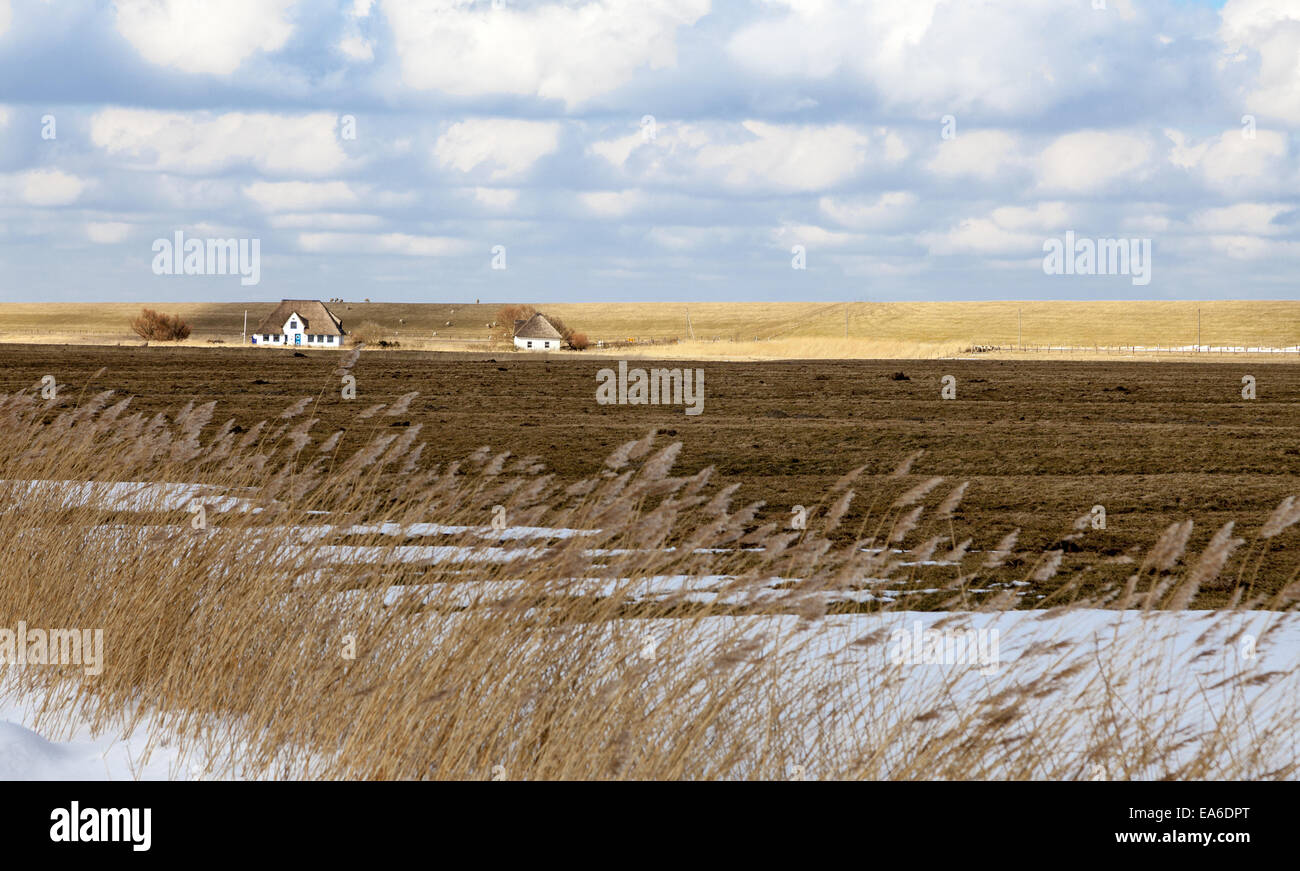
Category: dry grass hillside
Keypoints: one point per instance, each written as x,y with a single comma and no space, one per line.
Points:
785,329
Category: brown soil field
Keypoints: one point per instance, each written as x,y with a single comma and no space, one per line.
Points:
1040,442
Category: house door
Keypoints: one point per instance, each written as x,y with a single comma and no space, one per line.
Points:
297,338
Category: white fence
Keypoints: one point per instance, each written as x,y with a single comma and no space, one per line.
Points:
1139,349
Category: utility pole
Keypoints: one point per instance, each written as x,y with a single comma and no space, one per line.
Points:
243,337
846,320
689,331
1020,330
1198,329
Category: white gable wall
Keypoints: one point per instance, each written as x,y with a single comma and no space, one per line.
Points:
293,327
538,344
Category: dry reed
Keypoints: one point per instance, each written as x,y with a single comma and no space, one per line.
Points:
363,616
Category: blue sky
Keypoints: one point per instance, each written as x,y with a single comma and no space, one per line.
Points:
648,149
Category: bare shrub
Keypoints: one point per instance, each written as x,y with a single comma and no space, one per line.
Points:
370,333
157,326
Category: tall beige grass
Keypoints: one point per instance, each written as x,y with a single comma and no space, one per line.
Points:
547,657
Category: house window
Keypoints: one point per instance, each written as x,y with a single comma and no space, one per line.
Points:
310,339
293,325
530,344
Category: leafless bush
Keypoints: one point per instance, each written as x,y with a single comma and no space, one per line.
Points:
159,327
370,333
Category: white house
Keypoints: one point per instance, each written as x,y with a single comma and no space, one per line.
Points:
299,323
537,334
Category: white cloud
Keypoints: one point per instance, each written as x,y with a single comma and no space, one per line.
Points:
794,157
4,110
812,236
882,211
1006,230
497,198
613,203
1255,219
107,232
299,195
617,151
509,145
572,52
1271,30
357,48
181,192
46,187
755,155
6,15
982,154
1091,160
203,37
1147,223
980,236
204,143
690,237
387,243
325,221
1240,247
1234,163
932,57
1044,216
873,267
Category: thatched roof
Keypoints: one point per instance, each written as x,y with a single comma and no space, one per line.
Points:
316,319
537,327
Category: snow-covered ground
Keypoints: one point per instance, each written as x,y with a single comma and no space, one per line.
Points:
1171,671
122,495
82,753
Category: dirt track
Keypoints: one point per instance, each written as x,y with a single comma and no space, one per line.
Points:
1040,442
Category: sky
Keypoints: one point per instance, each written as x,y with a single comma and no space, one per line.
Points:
676,150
